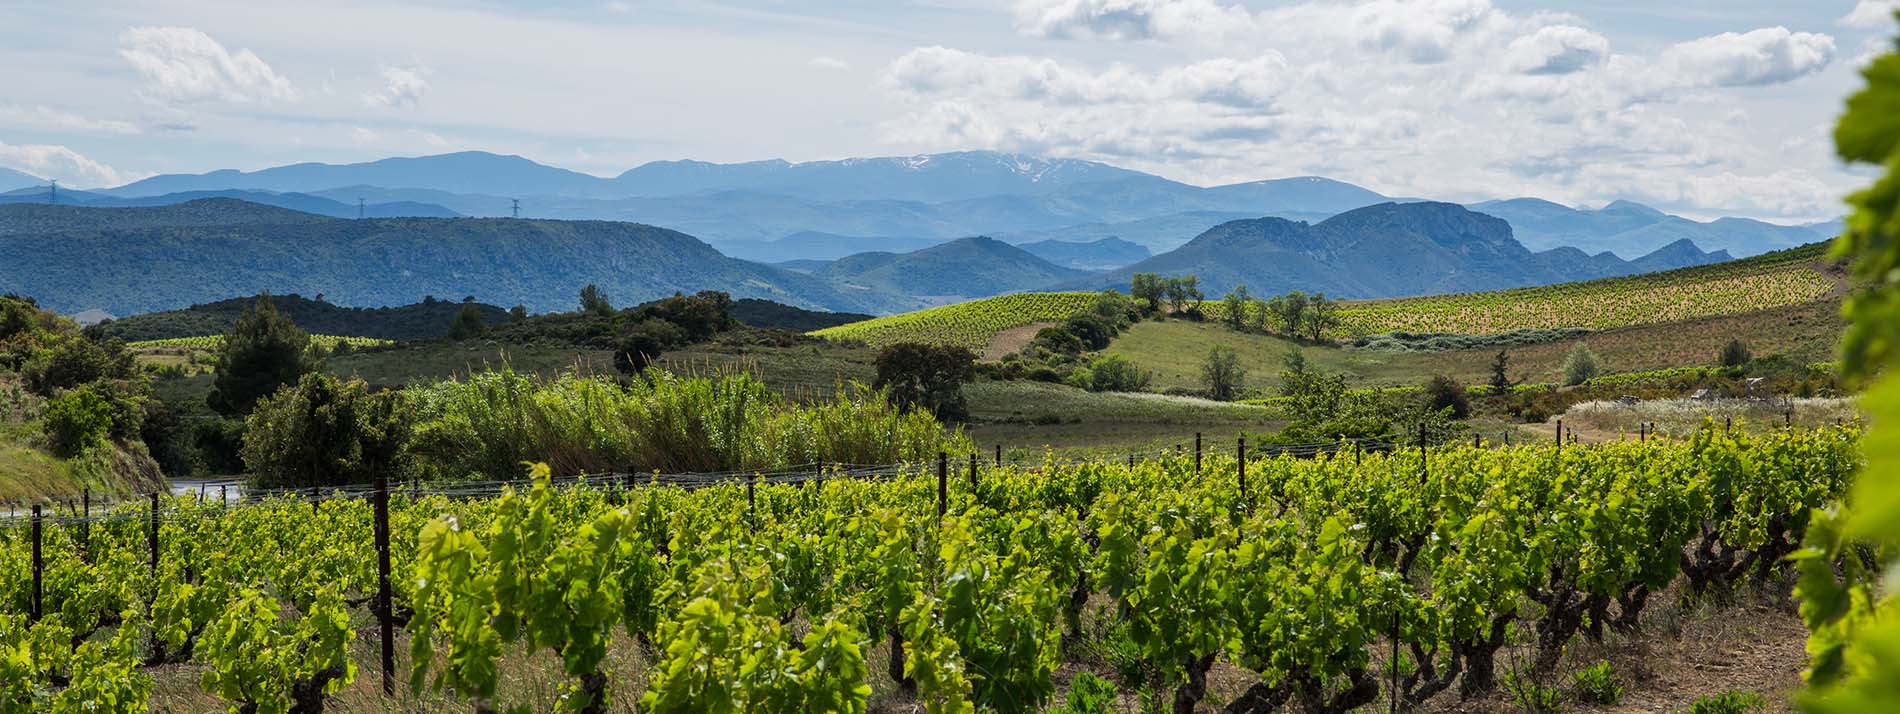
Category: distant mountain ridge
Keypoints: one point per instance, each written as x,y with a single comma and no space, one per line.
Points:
304,202
128,261
1097,255
1631,229
959,270
1387,250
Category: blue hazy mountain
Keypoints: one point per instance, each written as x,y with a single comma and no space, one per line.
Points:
1096,255
11,180
304,202
1631,229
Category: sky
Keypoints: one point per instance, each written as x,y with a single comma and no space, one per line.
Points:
1705,108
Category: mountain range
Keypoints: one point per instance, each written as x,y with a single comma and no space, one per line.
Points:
890,204
1387,250
956,271
304,202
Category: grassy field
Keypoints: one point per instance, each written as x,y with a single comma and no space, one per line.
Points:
1767,282
1174,349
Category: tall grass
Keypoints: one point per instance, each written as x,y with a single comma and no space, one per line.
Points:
488,424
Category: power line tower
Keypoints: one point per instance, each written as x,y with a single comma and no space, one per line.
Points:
52,195
359,208
517,208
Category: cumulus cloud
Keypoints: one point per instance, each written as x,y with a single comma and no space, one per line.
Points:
58,162
402,86
1456,99
1871,13
182,64
1127,19
823,62
1769,55
1558,49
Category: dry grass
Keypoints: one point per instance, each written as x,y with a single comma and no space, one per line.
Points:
1681,417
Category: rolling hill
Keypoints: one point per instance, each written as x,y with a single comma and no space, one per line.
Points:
183,255
1800,276
11,180
1388,250
304,202
954,271
814,245
421,320
1096,255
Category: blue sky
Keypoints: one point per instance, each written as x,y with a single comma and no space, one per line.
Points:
1705,108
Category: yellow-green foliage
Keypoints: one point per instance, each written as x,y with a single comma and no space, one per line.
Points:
1769,281
213,343
969,324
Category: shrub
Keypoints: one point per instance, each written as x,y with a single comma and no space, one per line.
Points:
325,432
1221,373
1598,683
1735,354
642,342
76,420
1580,365
219,445
466,325
1729,702
1112,373
1530,696
1444,394
927,376
71,360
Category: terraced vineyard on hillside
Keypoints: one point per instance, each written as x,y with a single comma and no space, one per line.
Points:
1767,281
1771,280
968,324
212,343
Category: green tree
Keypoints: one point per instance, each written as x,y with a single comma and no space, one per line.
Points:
1181,290
90,414
642,342
1290,310
1735,354
1580,365
518,313
594,302
67,360
1312,395
1236,302
1221,373
1500,379
326,432
262,353
1148,288
926,376
1112,373
467,323
1322,315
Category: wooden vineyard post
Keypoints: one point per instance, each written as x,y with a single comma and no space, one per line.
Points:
151,537
314,498
1728,425
972,471
39,567
384,617
1560,433
943,484
1197,454
85,525
999,455
1131,460
752,497
1424,458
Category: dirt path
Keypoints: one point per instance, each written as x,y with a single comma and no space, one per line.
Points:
1009,341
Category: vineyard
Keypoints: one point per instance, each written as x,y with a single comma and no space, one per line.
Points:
1768,281
968,324
1772,280
213,343
777,594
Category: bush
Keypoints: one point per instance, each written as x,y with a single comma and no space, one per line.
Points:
466,325
1111,373
1530,696
1221,373
1580,365
1444,394
642,342
219,445
927,376
1729,702
1735,354
71,360
325,432
77,420
1598,683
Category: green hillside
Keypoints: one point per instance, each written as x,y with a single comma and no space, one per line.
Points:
422,320
1774,280
960,269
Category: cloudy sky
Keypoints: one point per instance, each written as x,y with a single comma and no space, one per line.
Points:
1705,107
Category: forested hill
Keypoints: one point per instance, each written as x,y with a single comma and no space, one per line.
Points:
955,271
1388,250
112,262
422,320
28,218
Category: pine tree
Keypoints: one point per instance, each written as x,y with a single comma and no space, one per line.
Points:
263,352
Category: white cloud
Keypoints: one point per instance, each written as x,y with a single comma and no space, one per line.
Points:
402,86
1769,55
1558,49
432,139
1127,19
823,62
49,119
364,135
1871,13
59,162
181,64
